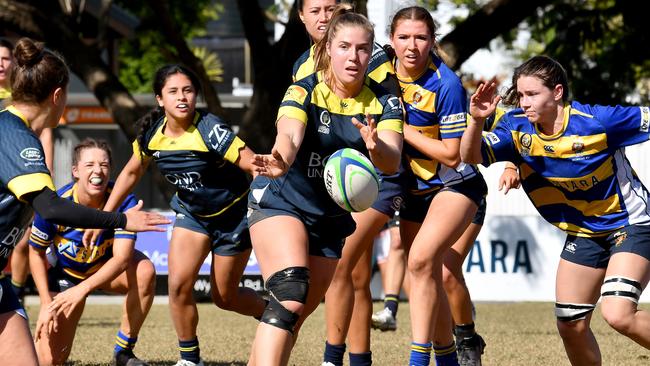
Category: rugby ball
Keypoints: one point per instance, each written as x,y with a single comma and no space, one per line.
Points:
351,180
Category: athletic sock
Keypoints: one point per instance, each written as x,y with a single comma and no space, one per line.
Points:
190,350
123,343
446,355
334,353
463,331
420,354
391,302
360,359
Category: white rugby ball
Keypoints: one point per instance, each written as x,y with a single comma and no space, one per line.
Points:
351,180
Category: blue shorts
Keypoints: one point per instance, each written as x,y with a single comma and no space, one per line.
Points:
595,252
228,231
8,300
391,193
326,233
416,206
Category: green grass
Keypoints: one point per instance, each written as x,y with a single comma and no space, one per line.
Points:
516,334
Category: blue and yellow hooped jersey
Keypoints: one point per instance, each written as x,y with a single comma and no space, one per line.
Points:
22,171
201,163
65,242
579,178
328,128
380,68
436,106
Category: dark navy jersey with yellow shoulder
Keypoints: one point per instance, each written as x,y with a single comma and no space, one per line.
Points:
328,128
66,242
201,163
22,171
579,178
380,68
436,106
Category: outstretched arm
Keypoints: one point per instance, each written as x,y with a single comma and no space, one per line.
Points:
482,104
287,142
385,146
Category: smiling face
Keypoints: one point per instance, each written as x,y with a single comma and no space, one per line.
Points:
92,172
315,14
538,101
412,42
350,50
178,97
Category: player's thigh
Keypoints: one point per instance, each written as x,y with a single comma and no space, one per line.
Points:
139,272
187,251
227,271
16,343
578,284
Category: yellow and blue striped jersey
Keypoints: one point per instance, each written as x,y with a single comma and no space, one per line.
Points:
22,171
380,68
436,106
201,163
72,257
328,128
579,178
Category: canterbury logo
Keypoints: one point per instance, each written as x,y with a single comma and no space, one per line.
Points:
549,148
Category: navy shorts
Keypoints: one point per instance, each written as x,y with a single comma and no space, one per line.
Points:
595,252
326,233
228,231
8,300
479,217
416,206
59,281
391,194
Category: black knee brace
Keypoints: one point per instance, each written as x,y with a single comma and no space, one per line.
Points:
290,284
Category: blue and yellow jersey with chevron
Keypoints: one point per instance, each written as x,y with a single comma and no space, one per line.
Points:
328,128
75,259
380,68
579,178
436,106
22,171
201,163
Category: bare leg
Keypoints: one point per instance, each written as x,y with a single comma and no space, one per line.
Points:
15,340
55,349
226,293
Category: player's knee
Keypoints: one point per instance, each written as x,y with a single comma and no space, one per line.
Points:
450,280
289,284
146,275
224,299
361,279
620,298
179,287
572,318
420,267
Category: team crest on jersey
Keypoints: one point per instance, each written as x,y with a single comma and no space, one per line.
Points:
296,94
619,238
325,121
417,97
344,105
645,119
578,146
526,140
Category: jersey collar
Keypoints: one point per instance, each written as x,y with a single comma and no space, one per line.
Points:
13,110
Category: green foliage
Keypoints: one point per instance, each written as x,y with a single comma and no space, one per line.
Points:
211,63
142,56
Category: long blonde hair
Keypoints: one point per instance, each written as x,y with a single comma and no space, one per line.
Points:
343,16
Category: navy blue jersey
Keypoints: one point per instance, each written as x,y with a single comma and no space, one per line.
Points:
380,68
328,128
201,163
22,171
579,178
436,106
72,257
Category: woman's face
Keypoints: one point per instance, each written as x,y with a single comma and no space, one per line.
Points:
350,51
412,41
92,171
315,14
538,101
5,67
178,97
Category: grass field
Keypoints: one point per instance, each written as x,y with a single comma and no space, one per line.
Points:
516,334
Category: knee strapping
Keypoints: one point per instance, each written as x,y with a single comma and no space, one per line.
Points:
621,287
290,284
568,312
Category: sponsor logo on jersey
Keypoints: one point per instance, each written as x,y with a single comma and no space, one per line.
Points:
397,203
344,105
549,149
31,154
156,154
296,94
578,146
492,138
40,234
570,247
219,136
453,118
645,119
394,103
316,165
190,181
325,121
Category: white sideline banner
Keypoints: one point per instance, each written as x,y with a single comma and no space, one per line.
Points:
515,259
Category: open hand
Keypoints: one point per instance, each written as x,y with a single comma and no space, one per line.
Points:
368,131
483,102
137,220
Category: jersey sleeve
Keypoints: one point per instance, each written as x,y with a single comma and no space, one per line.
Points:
129,202
23,168
222,139
497,145
294,103
380,69
137,151
624,125
451,108
42,233
392,117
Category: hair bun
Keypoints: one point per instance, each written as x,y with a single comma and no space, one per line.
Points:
27,52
